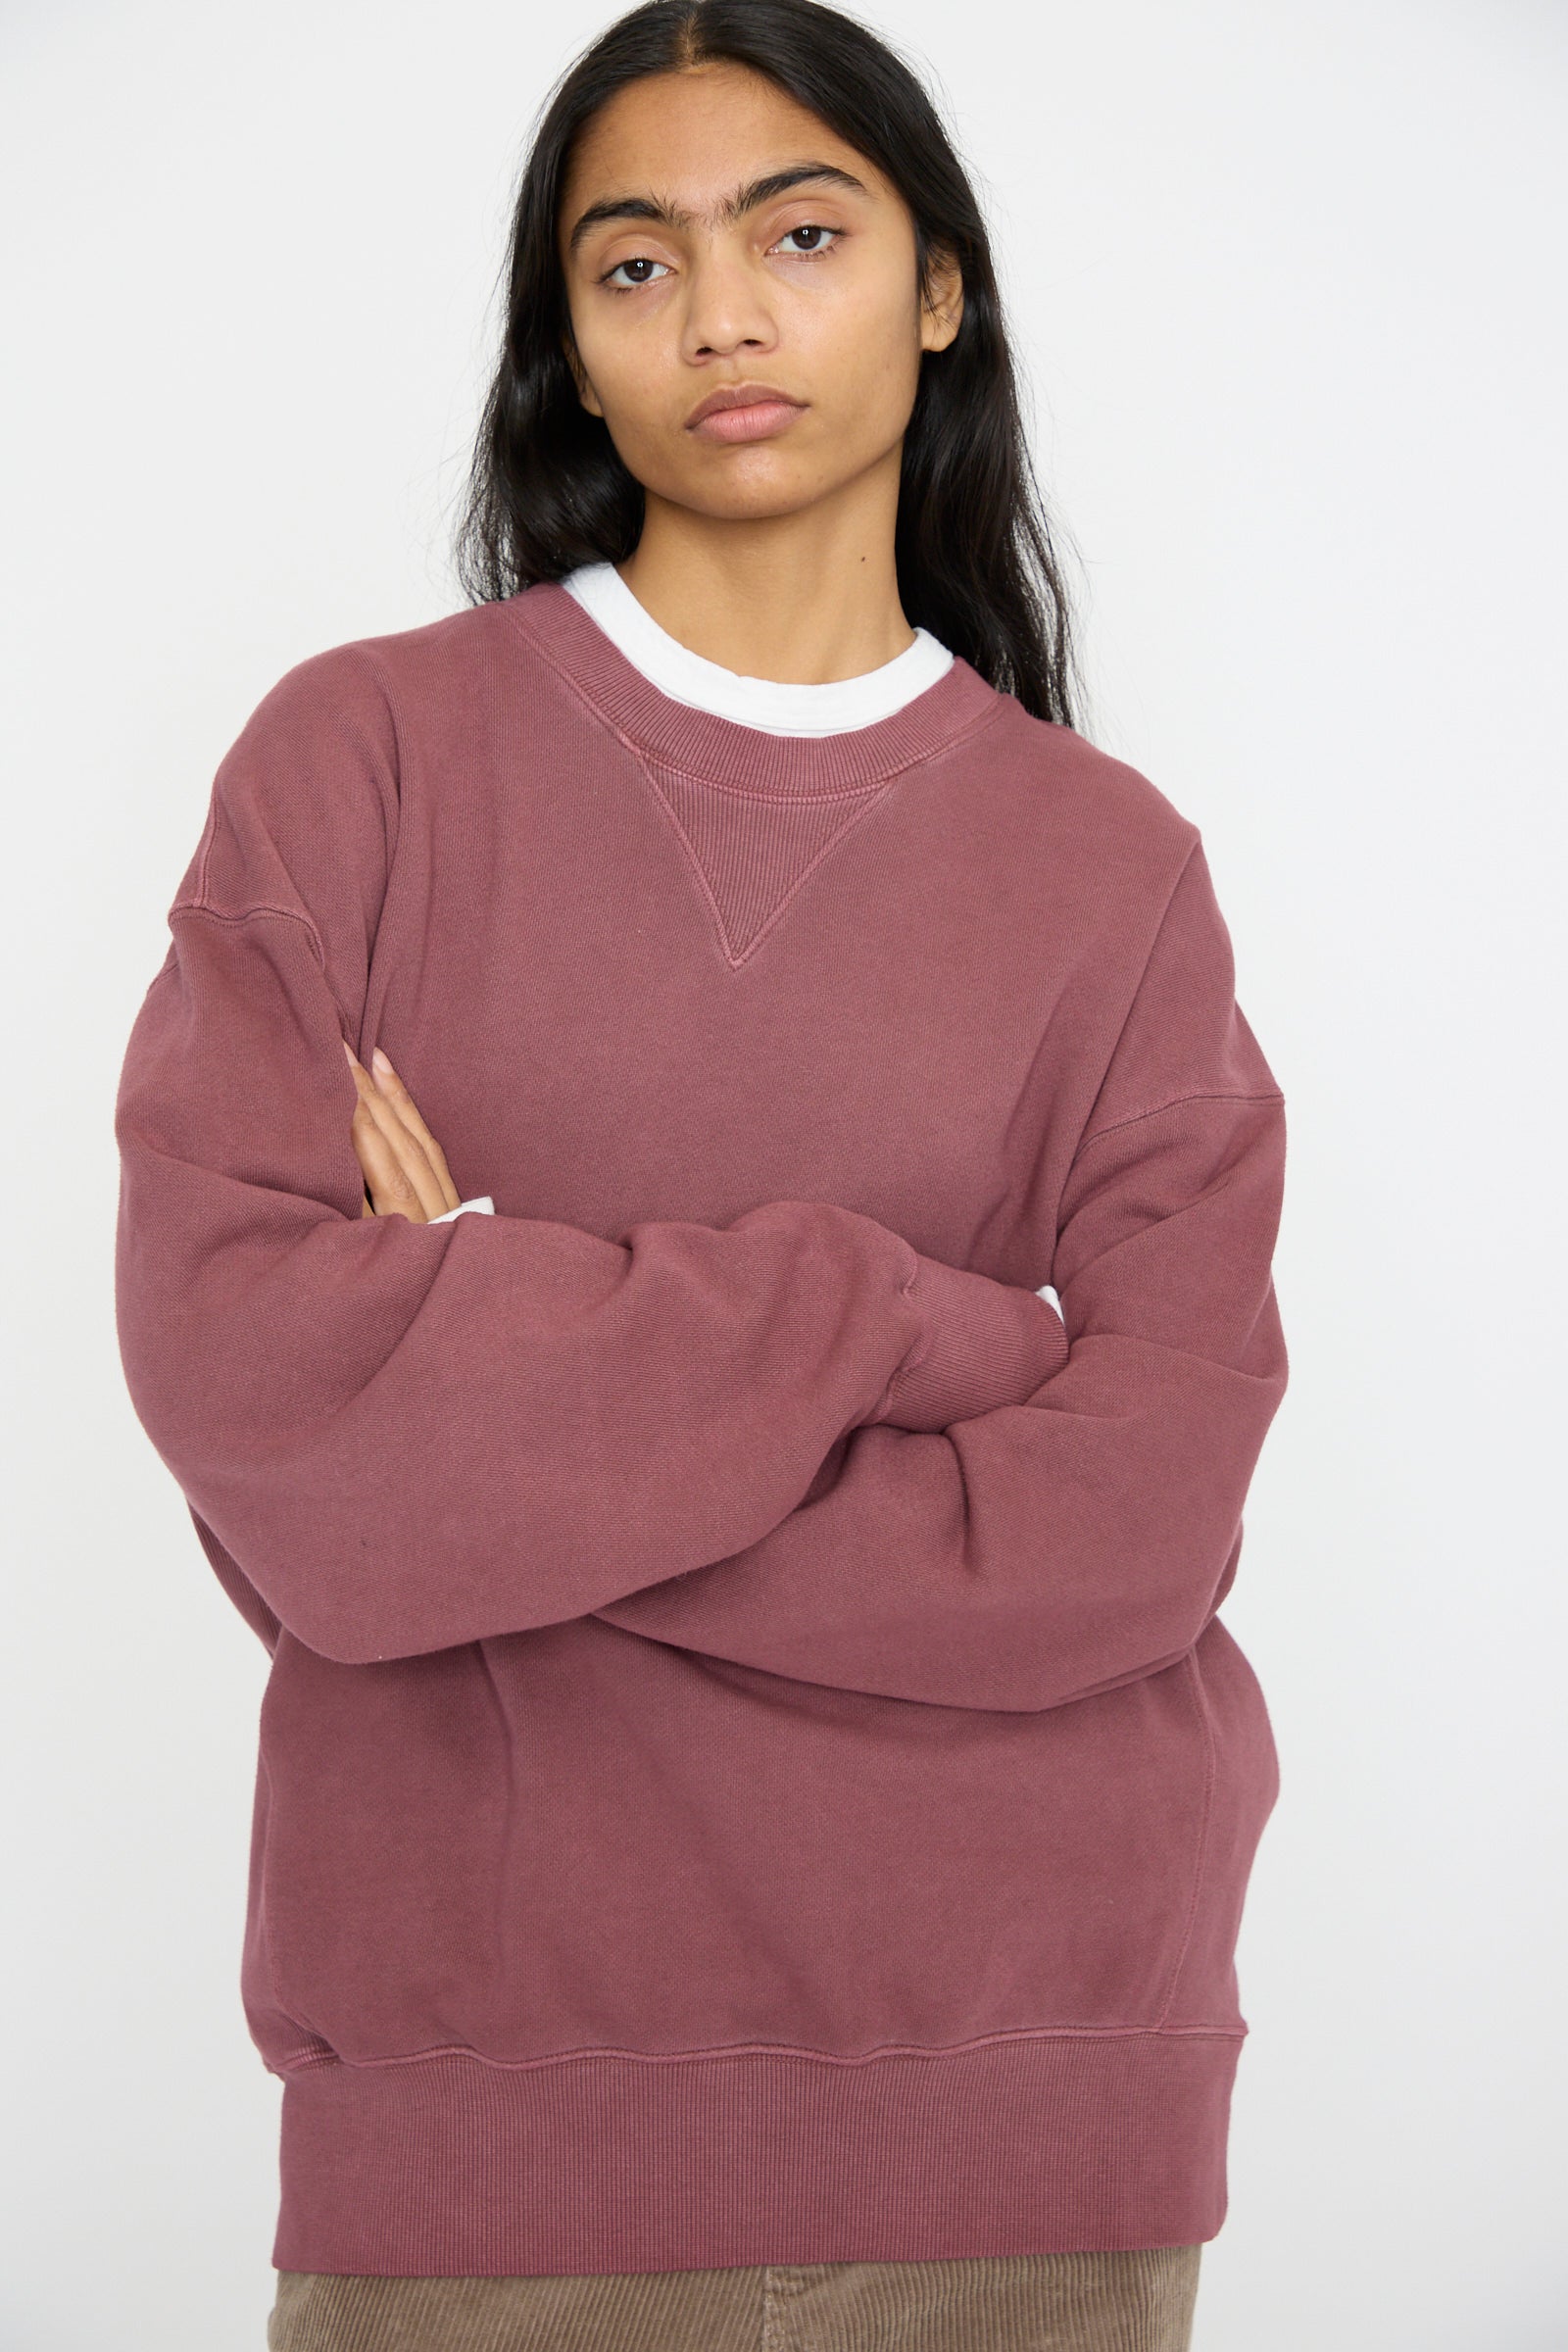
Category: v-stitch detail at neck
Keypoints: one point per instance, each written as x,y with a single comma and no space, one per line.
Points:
715,750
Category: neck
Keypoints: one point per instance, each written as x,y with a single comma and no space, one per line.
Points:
804,599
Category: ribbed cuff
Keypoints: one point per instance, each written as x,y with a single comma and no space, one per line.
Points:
986,1344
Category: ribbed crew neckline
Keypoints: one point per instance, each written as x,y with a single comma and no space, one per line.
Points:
723,751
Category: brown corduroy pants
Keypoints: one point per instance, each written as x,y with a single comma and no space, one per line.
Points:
1135,2301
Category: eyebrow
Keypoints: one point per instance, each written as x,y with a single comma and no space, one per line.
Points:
744,199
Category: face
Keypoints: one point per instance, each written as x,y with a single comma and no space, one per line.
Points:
682,278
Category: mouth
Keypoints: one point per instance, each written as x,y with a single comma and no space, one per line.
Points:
743,413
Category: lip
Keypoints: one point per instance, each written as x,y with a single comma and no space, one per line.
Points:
743,413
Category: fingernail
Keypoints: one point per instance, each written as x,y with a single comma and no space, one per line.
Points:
380,1061
348,1049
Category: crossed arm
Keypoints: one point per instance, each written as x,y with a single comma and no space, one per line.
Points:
1077,1535
795,1442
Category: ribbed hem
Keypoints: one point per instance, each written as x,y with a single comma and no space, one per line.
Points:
454,2165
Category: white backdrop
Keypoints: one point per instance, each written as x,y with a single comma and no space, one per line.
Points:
1287,285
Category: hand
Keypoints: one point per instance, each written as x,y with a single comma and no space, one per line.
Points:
406,1170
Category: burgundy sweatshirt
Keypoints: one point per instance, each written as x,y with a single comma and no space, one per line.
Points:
751,1770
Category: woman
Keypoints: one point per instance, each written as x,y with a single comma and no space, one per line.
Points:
754,1799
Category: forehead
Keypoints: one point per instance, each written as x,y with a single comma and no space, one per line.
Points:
694,139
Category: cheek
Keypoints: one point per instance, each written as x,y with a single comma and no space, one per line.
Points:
635,396
641,414
868,403
864,356
618,370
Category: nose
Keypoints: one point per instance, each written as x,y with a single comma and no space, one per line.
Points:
727,308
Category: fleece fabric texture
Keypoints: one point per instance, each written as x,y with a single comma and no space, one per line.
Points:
751,1770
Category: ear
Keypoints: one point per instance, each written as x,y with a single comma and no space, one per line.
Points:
941,310
585,391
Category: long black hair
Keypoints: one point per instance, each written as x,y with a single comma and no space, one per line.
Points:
548,490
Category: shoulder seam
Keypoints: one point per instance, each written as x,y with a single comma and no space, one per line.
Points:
1267,1093
244,914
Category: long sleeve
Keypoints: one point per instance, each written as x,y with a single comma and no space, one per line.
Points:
1082,1534
406,1436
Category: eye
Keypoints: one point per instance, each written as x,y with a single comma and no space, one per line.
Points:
636,260
813,228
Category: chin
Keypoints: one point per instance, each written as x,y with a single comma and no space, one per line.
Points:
748,495
761,502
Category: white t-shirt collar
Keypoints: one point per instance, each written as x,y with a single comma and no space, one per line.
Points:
783,707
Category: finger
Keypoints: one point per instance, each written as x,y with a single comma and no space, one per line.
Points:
401,1180
366,1206
396,1094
